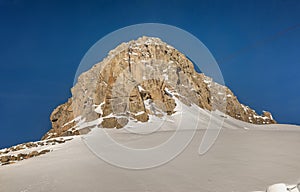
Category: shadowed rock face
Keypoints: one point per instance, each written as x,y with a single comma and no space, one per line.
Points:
142,78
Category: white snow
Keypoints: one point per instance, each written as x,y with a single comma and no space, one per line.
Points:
140,88
245,157
207,81
270,114
245,107
260,117
169,92
99,108
139,113
147,103
74,120
83,124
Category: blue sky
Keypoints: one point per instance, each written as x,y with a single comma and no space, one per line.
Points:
256,44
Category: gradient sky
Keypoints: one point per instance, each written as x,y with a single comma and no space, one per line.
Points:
256,44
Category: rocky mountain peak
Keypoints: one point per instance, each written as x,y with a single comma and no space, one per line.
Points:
140,79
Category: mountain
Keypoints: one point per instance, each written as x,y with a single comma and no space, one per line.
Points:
136,122
134,82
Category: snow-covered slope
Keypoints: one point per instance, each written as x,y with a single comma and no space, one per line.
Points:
245,157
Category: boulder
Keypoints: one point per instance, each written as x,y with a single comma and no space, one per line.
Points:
5,159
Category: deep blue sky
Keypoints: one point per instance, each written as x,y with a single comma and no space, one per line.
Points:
256,44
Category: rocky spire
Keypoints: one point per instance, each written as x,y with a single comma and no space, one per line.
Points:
142,78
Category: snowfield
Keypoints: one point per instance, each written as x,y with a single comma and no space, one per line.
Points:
244,158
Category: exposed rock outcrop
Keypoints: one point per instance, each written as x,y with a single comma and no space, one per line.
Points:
28,150
135,81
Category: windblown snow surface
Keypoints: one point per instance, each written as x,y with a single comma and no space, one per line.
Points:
244,158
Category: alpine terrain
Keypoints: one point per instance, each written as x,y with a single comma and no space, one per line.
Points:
141,95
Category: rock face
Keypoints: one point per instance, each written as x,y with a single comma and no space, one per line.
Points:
59,117
135,81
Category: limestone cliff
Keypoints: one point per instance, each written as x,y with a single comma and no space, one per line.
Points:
134,81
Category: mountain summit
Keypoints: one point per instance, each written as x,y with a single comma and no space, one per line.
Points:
140,79
162,108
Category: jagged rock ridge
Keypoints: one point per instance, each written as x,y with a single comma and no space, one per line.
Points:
135,81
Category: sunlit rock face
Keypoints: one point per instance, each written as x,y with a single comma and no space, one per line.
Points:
135,81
